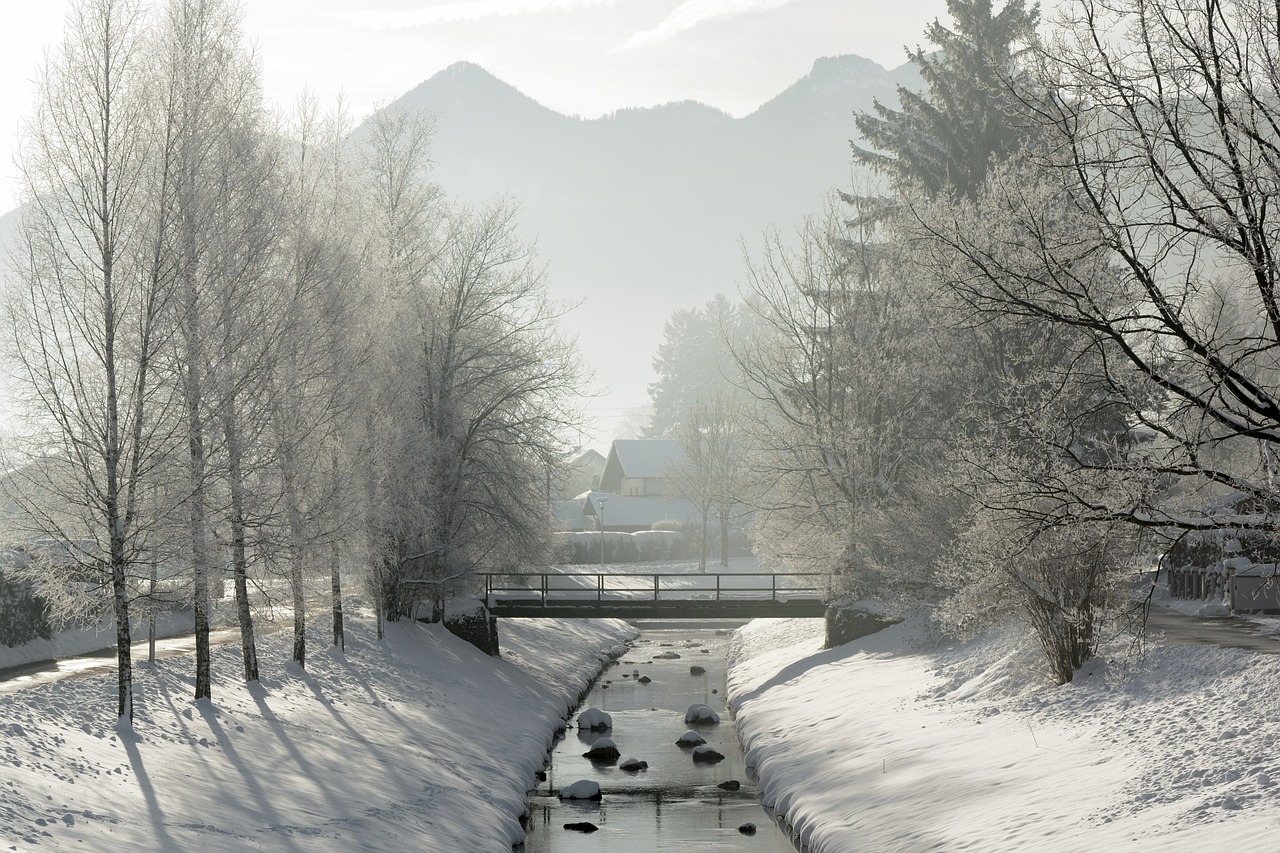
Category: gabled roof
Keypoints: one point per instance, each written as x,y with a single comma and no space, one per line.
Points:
641,458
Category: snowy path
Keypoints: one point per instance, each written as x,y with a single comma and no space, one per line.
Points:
895,743
417,742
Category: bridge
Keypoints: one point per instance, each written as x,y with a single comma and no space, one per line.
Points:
656,595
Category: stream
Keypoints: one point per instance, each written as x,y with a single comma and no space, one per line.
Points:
675,804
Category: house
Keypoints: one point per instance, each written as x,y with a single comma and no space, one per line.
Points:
578,475
629,495
639,467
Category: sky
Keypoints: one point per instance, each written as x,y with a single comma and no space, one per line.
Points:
580,57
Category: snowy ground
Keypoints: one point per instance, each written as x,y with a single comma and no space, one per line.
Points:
899,742
416,743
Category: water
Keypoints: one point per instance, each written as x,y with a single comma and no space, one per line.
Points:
674,805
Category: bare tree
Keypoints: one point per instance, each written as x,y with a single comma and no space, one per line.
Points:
843,370
1148,205
85,303
495,382
712,473
315,387
220,200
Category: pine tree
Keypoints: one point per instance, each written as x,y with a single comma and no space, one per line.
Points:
694,362
945,139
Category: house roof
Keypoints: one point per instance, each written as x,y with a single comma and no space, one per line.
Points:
641,458
570,514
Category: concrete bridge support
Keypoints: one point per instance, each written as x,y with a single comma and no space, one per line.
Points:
470,620
846,624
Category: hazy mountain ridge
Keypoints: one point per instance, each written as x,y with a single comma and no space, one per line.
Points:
654,202
643,210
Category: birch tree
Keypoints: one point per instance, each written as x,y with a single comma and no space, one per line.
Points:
219,200
86,300
314,380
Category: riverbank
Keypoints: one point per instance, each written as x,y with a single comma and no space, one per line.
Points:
415,742
900,742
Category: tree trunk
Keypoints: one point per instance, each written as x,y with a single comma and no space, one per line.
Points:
702,554
239,562
296,586
199,559
124,654
724,536
339,639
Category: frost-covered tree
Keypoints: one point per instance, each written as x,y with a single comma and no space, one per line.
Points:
713,473
943,140
1164,160
318,353
847,379
224,206
478,387
695,362
85,302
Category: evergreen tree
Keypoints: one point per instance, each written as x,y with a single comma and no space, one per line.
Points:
694,362
945,139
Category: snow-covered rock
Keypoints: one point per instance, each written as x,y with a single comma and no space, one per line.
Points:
690,738
666,656
602,749
699,714
707,755
633,765
594,720
583,789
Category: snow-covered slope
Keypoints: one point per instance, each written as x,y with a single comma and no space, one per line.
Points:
891,743
419,742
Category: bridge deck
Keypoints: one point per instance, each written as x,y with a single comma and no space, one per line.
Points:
635,595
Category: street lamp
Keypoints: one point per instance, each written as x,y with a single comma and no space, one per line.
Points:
602,501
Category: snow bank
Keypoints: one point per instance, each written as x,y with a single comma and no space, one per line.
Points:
416,742
895,743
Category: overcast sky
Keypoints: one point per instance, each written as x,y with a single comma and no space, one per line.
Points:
583,57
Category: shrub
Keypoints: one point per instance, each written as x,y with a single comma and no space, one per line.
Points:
22,613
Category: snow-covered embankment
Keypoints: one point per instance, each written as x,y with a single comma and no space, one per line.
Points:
899,742
418,742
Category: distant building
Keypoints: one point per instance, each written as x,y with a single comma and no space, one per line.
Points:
639,467
580,474
629,493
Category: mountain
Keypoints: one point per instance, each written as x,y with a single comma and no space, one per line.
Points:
643,211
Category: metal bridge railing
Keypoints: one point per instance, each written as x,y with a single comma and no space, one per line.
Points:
565,588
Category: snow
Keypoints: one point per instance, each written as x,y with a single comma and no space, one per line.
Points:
901,742
699,714
583,789
593,719
416,742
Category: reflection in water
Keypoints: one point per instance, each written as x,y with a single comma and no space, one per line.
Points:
676,804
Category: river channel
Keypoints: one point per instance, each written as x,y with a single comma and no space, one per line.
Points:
676,804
